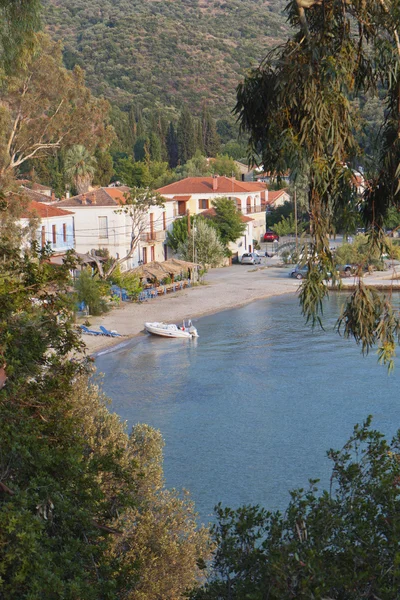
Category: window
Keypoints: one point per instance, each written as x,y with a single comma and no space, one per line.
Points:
103,228
54,234
203,203
144,256
164,220
153,253
43,234
64,232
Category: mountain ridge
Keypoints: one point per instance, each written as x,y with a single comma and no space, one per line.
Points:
166,53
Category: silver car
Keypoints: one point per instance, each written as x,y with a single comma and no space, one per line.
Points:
250,258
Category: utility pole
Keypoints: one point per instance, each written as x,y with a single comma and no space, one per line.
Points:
188,218
194,253
295,218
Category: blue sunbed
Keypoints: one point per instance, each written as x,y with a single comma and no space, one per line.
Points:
89,331
108,332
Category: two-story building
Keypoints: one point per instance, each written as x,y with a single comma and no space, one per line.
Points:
101,224
55,226
194,195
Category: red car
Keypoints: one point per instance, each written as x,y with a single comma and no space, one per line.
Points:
271,236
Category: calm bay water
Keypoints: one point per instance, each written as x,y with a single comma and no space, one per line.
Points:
249,410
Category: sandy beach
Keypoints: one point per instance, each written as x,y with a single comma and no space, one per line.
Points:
223,289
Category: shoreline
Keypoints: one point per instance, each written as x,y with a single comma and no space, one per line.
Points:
224,289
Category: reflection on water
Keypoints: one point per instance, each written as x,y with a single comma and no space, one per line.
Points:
249,409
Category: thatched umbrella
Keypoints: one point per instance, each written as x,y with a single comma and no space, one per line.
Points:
152,270
183,263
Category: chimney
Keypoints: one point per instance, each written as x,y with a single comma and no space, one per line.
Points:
215,183
93,199
84,200
53,196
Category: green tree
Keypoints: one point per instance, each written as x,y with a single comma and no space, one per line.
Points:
227,220
225,165
202,245
18,24
185,136
44,107
73,484
90,292
297,110
338,543
155,147
287,226
179,232
104,168
211,141
131,173
80,168
172,146
197,166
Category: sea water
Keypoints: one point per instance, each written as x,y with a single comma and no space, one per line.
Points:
249,409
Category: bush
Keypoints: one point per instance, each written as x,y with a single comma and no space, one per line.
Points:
90,291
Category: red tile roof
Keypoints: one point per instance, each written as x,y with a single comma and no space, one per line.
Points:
274,195
204,185
37,196
181,198
100,197
44,211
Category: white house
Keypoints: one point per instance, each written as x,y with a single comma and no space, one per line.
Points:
278,198
196,194
100,224
56,226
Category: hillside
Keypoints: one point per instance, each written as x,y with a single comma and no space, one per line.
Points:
166,52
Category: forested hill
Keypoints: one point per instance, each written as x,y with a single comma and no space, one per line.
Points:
166,52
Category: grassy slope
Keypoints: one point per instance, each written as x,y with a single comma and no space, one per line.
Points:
166,52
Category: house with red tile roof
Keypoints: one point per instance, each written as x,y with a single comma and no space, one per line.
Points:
278,198
100,224
55,226
196,194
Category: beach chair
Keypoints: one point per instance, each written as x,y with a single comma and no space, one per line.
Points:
108,332
89,331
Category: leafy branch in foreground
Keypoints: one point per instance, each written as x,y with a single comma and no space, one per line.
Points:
297,109
370,319
335,544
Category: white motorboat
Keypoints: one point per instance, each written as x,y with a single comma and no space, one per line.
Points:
186,330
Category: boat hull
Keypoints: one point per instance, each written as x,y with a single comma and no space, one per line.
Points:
165,330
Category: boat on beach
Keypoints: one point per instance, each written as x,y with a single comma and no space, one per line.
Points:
186,330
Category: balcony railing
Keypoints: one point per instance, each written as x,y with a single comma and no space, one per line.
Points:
255,209
152,236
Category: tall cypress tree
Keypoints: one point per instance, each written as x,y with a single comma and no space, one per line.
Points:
186,136
211,140
199,136
132,126
172,146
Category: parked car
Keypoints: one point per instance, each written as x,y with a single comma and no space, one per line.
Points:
250,258
271,236
299,272
345,270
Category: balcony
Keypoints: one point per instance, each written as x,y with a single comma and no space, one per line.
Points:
255,209
152,237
